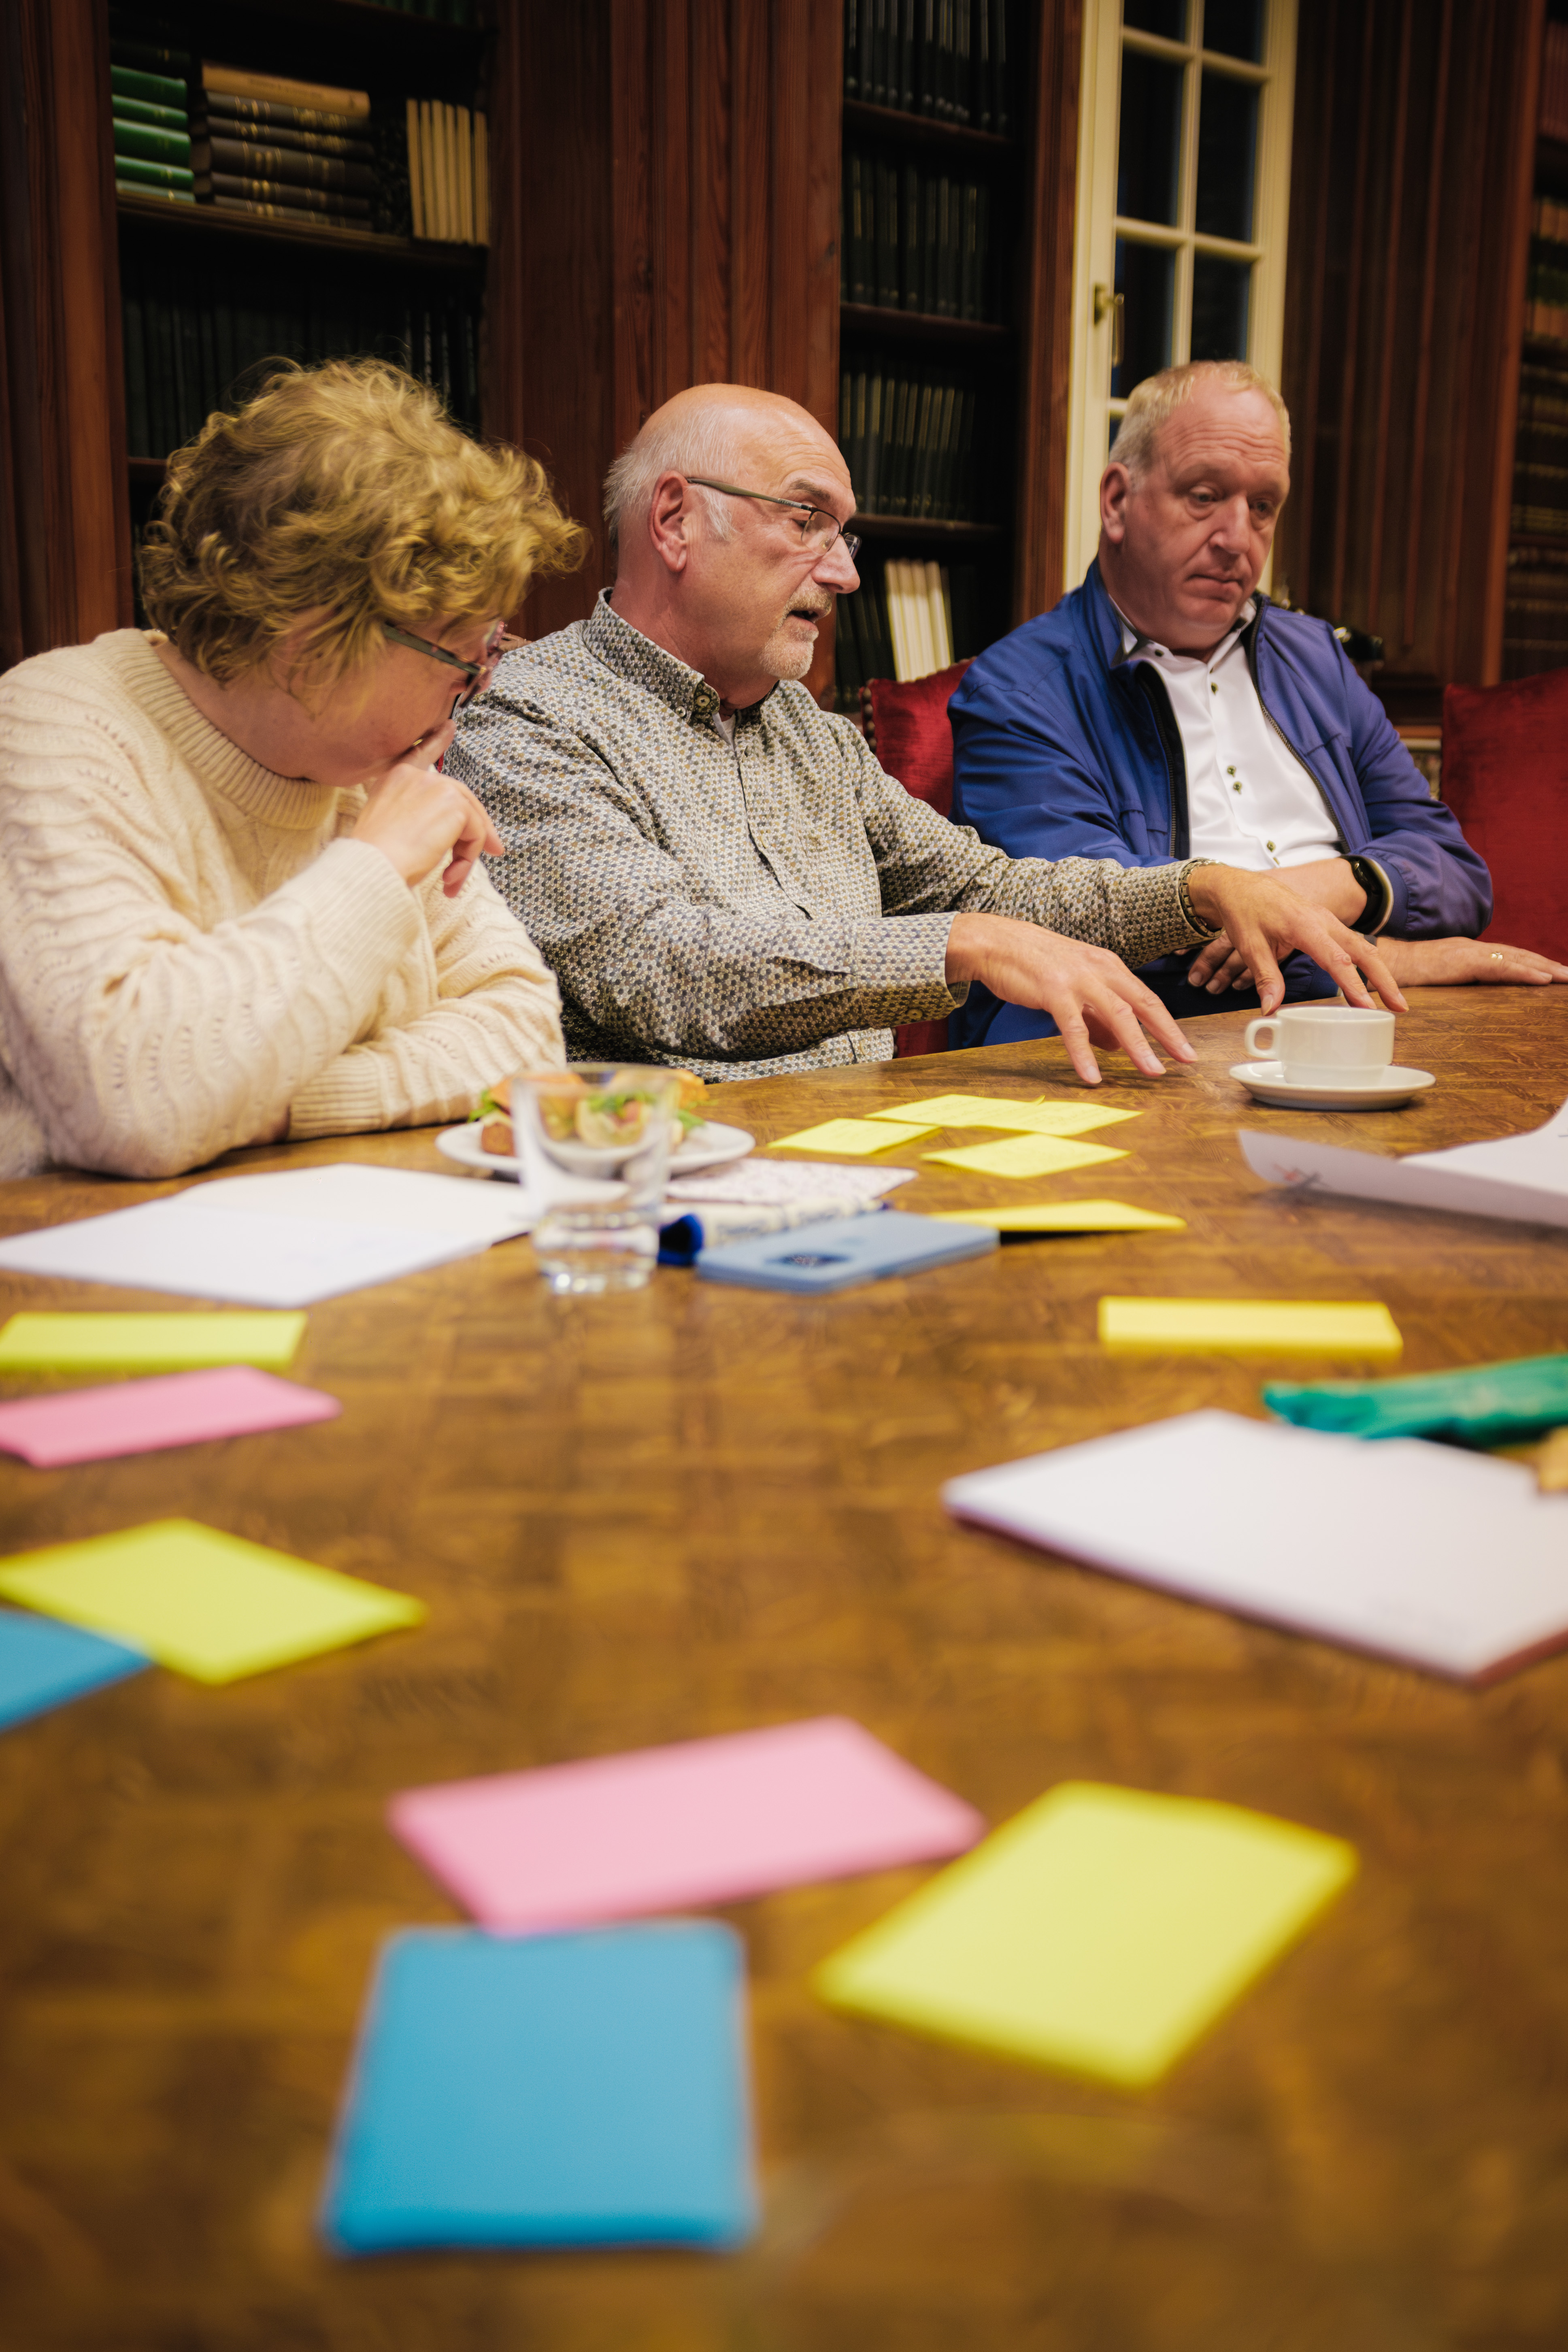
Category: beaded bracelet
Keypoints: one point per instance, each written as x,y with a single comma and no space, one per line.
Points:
1204,930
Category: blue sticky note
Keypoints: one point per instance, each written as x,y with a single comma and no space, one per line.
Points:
549,2091
44,1663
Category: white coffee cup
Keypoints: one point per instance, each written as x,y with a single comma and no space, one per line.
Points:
1319,1044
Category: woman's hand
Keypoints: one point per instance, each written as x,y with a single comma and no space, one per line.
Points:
1265,920
414,817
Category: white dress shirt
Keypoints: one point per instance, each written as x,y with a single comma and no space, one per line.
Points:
1250,801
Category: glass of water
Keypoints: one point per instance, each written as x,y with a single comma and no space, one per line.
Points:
595,1141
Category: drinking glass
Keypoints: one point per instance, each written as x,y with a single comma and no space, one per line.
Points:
595,1141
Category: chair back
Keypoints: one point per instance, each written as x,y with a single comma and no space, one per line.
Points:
1505,776
906,727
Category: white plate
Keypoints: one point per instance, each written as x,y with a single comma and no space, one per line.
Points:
708,1146
1266,1083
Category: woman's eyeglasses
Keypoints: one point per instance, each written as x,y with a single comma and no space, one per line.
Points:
479,674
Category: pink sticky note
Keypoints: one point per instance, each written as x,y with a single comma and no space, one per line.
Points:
709,1821
139,1416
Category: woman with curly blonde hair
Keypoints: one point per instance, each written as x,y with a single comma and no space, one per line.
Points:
238,899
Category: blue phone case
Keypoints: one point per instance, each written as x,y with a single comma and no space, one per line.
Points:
843,1251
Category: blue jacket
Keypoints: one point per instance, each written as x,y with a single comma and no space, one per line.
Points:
1057,753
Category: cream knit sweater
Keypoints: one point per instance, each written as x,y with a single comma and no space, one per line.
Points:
191,951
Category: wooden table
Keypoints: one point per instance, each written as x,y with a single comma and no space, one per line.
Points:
696,1509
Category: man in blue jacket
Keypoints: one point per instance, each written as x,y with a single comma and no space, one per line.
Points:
1167,709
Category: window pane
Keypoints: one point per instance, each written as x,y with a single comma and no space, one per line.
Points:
1228,157
1149,142
1167,18
1221,293
1234,27
1145,279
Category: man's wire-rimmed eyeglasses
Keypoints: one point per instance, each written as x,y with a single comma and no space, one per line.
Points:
818,529
479,674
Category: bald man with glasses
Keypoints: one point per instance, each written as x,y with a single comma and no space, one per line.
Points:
718,873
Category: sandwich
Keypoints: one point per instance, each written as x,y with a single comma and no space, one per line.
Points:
571,1109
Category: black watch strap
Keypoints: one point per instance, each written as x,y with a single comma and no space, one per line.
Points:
1379,896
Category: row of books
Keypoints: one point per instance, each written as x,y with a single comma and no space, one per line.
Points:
448,172
1540,454
918,618
1535,613
914,240
910,441
946,59
1546,274
1554,84
194,342
300,152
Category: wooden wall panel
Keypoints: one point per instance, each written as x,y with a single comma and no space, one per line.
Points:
670,202
1045,311
64,514
1411,178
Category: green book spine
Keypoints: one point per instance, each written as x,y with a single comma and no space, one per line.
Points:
142,109
159,89
130,171
153,145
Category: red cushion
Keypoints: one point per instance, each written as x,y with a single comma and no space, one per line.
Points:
913,740
1505,776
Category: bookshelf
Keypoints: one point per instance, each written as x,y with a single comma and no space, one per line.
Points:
933,226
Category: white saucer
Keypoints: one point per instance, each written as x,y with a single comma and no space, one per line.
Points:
708,1146
1266,1083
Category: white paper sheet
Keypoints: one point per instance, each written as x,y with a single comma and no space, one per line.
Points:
284,1239
1450,1561
1520,1176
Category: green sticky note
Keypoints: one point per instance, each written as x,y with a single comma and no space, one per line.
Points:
1102,1931
1351,1327
1025,1155
1483,1404
851,1138
148,1343
210,1605
1067,1217
996,1111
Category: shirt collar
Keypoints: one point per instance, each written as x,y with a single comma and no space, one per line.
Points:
626,651
1135,646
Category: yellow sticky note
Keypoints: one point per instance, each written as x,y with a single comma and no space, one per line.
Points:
1067,1217
994,1111
1102,1931
148,1343
1352,1326
210,1605
851,1138
1025,1155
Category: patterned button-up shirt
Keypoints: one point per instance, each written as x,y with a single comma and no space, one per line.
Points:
744,907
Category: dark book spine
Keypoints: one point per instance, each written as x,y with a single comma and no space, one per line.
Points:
858,167
982,94
906,55
868,73
286,165
925,56
984,292
960,60
851,48
279,135
909,220
1001,106
273,192
909,400
874,444
273,112
887,241
138,434
969,273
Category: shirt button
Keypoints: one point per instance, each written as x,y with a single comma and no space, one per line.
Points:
1213,686
1269,844
1236,787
